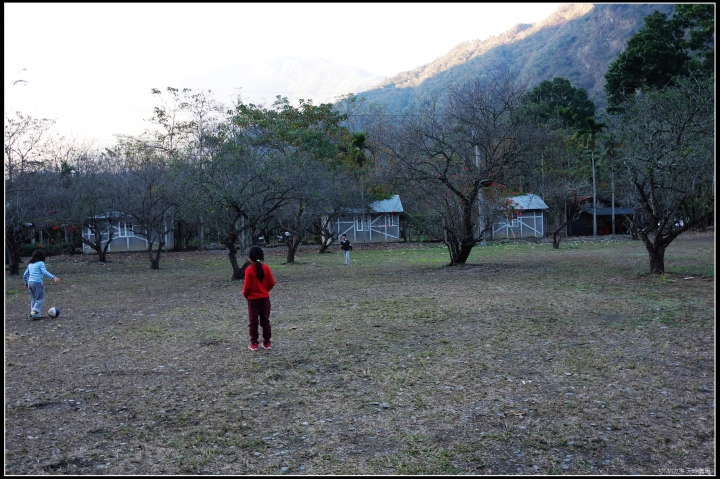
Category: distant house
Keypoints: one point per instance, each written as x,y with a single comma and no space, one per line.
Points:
126,237
525,219
583,224
379,223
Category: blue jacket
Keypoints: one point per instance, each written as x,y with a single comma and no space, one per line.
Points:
35,272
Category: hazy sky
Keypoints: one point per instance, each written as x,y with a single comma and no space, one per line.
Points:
91,66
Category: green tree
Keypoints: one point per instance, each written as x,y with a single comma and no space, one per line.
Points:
698,23
653,57
314,144
662,51
558,99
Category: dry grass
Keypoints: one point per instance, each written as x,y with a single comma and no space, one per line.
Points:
526,360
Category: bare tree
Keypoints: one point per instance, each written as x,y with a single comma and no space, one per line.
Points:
188,123
25,144
239,190
668,161
89,198
456,145
25,190
149,193
310,200
339,192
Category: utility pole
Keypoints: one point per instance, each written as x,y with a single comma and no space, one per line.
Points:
592,156
612,187
481,200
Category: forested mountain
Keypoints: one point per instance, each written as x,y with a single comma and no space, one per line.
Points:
577,42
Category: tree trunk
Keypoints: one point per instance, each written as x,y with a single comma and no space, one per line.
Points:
656,252
201,234
14,240
461,249
178,233
634,229
462,254
328,236
102,253
557,237
98,248
657,261
657,257
326,244
13,255
154,261
156,264
292,245
465,246
238,272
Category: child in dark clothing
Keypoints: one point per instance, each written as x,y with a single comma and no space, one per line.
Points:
346,247
259,281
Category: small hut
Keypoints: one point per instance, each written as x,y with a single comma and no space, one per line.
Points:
378,223
525,219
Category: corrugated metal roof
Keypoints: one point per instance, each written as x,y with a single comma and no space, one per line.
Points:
528,202
393,205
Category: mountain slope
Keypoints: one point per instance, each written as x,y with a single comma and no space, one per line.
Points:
260,81
577,42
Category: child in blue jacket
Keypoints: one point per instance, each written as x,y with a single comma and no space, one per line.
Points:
33,279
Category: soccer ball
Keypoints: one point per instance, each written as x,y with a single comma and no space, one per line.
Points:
54,312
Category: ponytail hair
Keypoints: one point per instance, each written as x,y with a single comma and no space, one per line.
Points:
256,255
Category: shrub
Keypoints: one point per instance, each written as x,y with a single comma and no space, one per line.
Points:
50,249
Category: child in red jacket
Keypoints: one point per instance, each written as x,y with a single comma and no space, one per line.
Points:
258,283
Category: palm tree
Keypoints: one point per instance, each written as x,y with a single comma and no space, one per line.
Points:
358,145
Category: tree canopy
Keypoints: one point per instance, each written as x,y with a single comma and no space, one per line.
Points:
666,156
663,50
558,99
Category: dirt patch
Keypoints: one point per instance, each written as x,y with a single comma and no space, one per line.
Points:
526,360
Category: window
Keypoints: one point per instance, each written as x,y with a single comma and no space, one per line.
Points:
390,219
514,220
359,223
126,229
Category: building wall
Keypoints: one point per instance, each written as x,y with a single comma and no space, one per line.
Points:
125,240
376,228
530,225
583,226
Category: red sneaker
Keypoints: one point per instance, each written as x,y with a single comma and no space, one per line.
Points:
267,345
253,347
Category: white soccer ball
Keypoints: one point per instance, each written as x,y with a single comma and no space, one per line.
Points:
54,312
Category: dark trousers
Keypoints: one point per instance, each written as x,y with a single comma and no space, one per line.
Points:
259,312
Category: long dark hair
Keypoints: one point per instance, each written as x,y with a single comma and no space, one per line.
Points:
38,255
256,255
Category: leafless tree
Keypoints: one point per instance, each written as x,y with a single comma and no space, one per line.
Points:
666,157
455,146
149,193
26,204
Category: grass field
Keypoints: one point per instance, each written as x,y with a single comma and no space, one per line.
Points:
526,360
